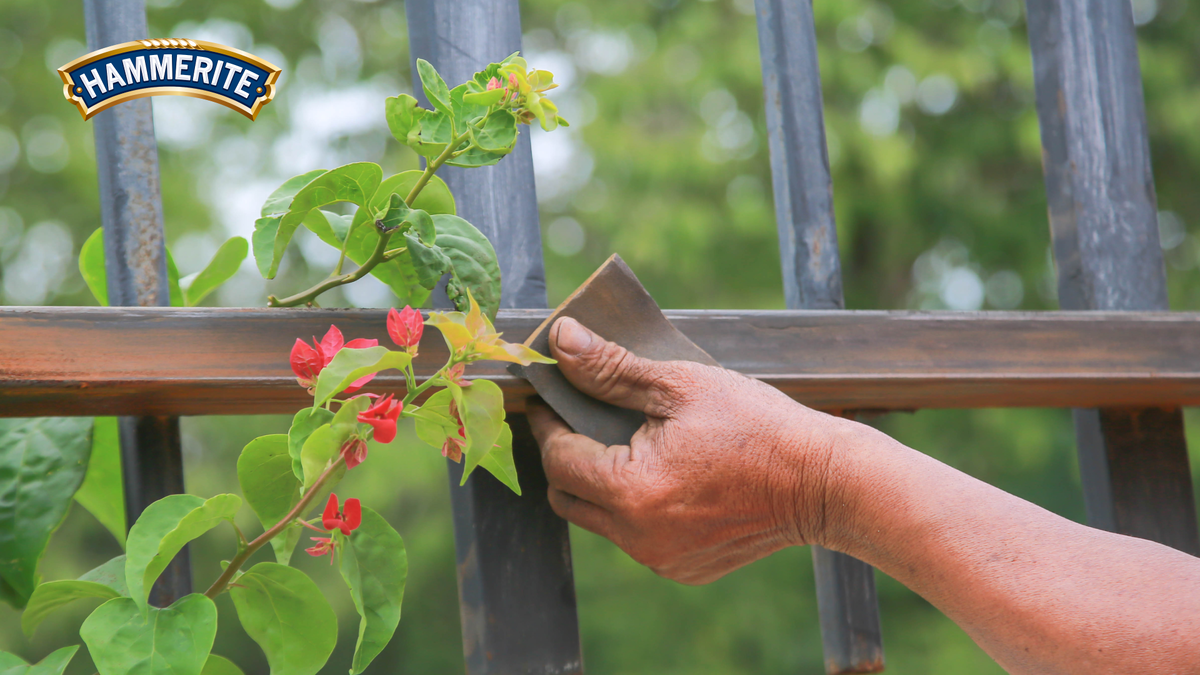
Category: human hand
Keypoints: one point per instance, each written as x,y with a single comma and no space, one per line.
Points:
725,471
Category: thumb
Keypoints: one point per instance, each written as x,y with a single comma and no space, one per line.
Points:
611,373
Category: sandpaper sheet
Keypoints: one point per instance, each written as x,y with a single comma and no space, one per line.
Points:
615,306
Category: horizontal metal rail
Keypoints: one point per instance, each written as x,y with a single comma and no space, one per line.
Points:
163,361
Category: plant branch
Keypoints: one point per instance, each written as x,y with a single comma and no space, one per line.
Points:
379,255
240,559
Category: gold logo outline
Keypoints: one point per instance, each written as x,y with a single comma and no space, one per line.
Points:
251,112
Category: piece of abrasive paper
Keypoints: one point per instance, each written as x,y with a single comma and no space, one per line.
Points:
615,306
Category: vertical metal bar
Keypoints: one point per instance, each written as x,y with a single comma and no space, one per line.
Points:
1103,217
516,589
136,265
812,279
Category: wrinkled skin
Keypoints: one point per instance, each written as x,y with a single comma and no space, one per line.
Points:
728,470
718,477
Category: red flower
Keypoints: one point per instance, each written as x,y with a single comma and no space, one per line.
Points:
355,451
406,327
383,417
324,545
346,521
308,362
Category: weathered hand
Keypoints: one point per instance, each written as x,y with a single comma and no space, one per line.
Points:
725,471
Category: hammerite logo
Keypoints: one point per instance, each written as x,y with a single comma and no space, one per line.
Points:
195,68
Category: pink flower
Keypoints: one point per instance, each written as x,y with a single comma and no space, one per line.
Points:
512,81
383,417
493,83
455,375
308,362
406,327
324,545
355,451
347,521
452,448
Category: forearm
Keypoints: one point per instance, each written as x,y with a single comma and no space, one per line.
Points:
1036,591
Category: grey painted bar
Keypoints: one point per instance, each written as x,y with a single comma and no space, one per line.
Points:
812,279
516,588
136,265
1103,217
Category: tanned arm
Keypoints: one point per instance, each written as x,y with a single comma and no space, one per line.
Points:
728,470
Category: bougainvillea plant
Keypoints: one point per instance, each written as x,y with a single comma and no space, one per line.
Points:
403,229
405,233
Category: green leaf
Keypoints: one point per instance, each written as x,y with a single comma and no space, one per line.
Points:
329,227
473,258
430,262
281,198
350,365
435,197
499,132
481,407
396,214
375,567
354,183
325,443
475,157
284,612
51,595
484,98
437,130
105,582
224,264
303,425
102,492
499,462
219,665
111,574
434,86
423,226
404,118
265,472
42,463
54,663
433,422
126,639
263,243
174,291
91,266
162,531
398,274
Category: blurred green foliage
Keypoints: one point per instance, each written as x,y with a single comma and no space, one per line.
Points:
938,187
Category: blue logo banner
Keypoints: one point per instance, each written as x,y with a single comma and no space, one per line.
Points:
195,68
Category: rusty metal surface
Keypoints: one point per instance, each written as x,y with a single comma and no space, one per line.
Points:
135,263
203,361
1103,217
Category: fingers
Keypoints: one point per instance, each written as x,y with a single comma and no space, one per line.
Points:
573,463
544,422
581,512
608,371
